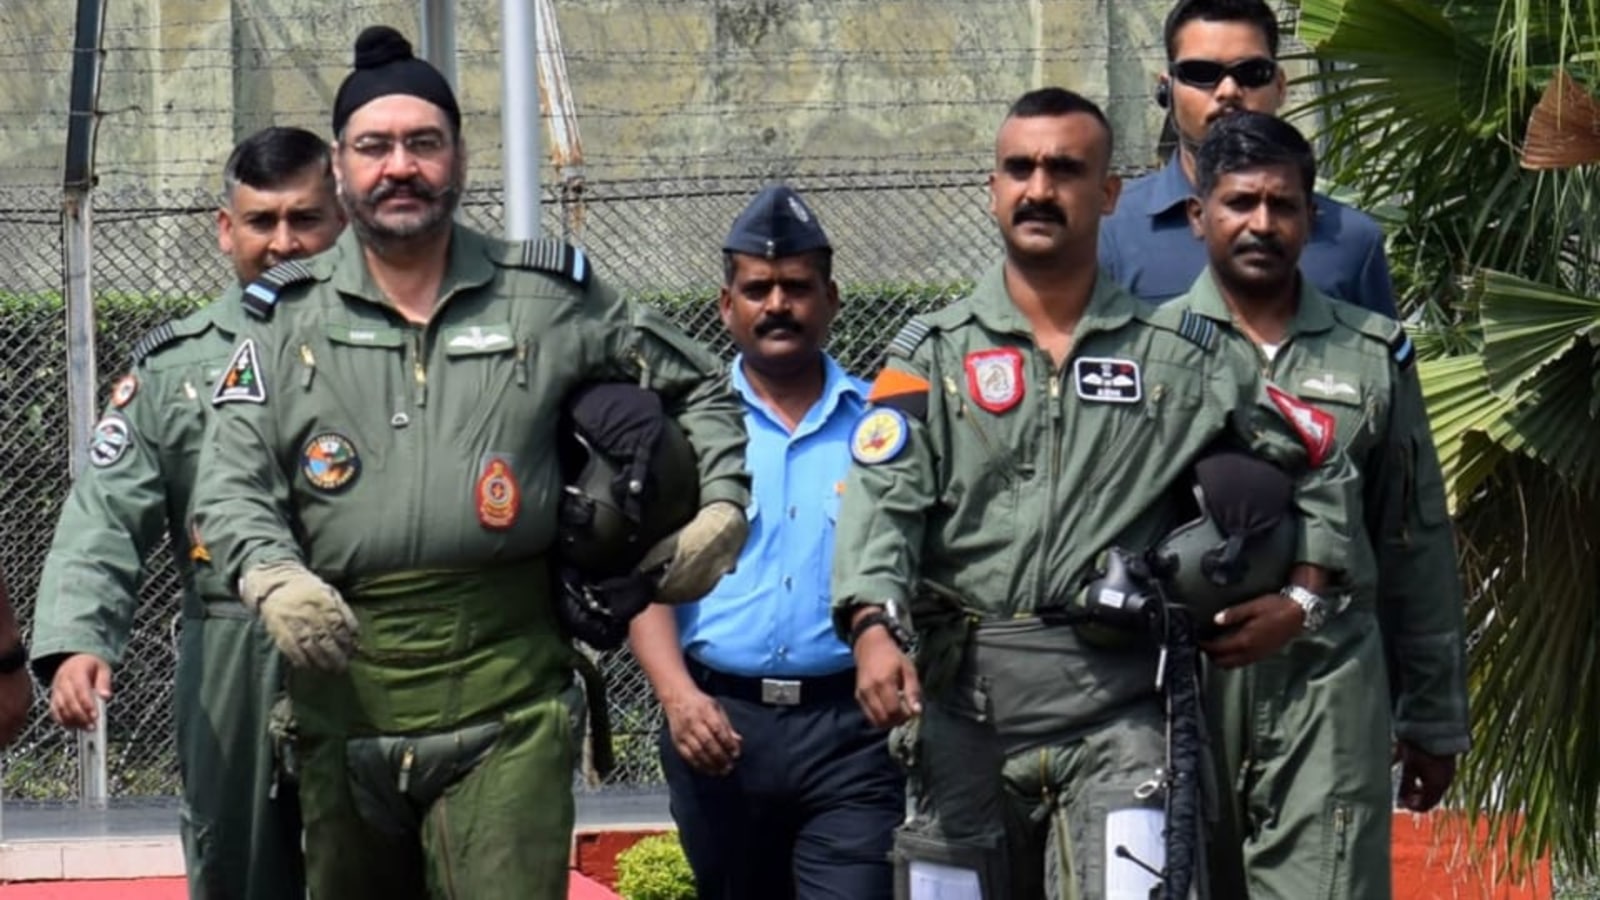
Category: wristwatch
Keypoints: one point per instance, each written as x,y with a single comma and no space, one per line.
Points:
13,659
890,616
1311,604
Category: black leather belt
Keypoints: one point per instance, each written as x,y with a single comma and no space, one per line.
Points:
772,691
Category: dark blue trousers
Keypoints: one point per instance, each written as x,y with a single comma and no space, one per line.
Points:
808,812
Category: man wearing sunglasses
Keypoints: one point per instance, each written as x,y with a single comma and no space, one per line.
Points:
1222,58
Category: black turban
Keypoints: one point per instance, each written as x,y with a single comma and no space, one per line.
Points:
385,65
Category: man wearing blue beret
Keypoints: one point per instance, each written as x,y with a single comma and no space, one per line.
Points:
779,785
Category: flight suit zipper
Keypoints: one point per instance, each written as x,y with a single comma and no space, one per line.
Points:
419,369
407,759
961,413
1047,526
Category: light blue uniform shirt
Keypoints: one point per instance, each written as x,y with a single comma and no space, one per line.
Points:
1147,247
770,616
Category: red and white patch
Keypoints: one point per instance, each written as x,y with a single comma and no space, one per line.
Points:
1315,427
499,496
994,377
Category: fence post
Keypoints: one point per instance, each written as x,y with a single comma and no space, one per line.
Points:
519,118
77,252
561,112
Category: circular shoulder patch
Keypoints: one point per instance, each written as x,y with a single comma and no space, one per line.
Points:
879,436
123,390
329,461
110,441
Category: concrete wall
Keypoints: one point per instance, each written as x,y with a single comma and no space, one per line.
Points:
663,87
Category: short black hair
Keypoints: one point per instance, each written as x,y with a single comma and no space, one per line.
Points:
1056,101
1249,140
822,258
272,157
1250,12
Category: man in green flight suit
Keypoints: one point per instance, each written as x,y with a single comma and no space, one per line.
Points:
1013,437
240,825
383,480
1305,734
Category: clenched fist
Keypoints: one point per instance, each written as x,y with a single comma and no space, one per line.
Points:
701,552
308,620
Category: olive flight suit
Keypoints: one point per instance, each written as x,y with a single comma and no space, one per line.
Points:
414,468
986,482
240,820
1304,736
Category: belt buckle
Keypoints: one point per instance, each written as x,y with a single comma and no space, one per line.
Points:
780,692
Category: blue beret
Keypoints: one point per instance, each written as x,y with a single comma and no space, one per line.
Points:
777,223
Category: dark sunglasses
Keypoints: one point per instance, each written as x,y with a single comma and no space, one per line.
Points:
1207,73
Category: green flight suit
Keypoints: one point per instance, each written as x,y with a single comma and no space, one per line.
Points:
987,505
1304,736
414,468
240,825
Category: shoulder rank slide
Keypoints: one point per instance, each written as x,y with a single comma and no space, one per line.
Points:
261,296
910,335
1401,348
1198,329
556,257
153,340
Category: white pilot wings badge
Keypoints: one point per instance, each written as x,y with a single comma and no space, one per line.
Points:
477,338
1101,380
1330,386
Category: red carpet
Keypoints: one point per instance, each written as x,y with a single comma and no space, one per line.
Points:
173,889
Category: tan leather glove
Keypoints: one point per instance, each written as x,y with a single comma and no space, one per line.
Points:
699,553
308,620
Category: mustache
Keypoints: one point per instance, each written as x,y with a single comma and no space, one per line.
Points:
1038,212
411,186
776,322
1251,243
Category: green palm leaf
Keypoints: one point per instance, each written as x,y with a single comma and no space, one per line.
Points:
1527,326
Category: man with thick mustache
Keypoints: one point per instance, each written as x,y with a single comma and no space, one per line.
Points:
1222,58
1304,733
382,482
1012,438
780,786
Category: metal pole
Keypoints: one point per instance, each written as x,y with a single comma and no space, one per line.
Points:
561,112
519,118
439,37
77,256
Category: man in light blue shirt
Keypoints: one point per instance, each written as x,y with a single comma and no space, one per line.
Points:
779,785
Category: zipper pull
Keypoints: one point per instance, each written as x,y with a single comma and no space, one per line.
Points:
1152,409
419,371
310,363
406,760
522,363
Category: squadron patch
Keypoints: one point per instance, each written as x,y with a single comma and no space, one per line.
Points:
122,392
110,441
241,378
994,377
1101,380
499,497
1315,427
329,461
880,435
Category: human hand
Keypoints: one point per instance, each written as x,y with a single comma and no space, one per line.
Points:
887,686
701,732
308,620
1261,627
700,552
1423,776
80,682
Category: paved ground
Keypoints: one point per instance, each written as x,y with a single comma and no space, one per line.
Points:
130,851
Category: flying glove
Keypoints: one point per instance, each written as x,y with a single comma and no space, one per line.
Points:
311,624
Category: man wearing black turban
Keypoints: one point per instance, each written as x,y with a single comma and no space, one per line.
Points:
383,483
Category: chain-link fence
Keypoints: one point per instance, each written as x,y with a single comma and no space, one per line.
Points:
881,111
906,242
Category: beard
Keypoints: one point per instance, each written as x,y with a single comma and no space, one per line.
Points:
376,228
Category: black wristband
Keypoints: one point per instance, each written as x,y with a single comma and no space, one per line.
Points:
876,618
14,659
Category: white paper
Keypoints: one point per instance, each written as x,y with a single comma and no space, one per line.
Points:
1139,830
933,881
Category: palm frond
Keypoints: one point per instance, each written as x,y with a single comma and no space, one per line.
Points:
1527,326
